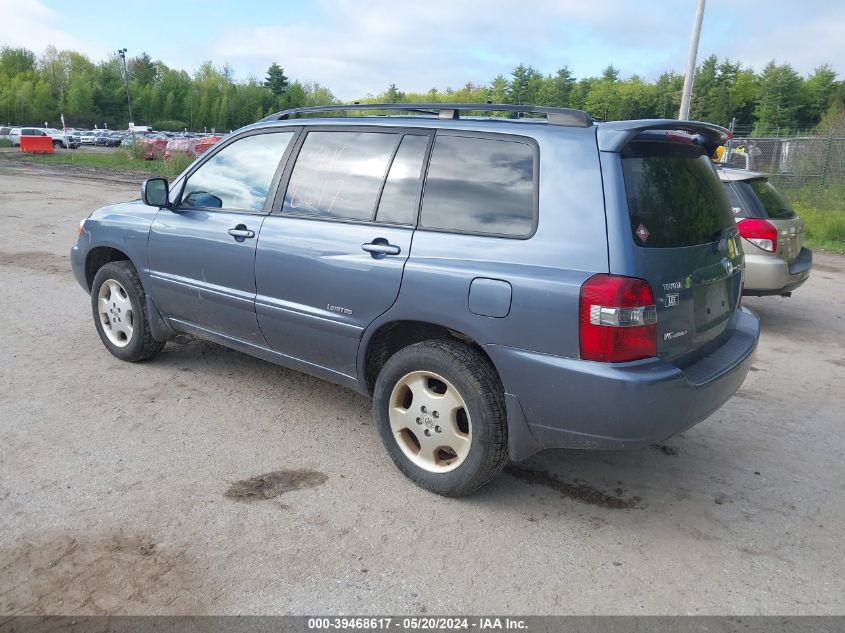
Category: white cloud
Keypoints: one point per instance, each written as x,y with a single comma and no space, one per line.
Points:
362,46
359,47
33,25
804,46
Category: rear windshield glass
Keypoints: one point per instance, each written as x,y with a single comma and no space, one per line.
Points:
765,200
674,196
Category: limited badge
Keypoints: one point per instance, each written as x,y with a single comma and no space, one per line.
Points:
642,233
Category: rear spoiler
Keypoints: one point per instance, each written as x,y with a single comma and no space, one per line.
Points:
613,136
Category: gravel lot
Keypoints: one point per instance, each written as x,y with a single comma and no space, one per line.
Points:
119,484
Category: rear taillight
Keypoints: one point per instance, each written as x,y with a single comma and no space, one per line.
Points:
760,233
618,319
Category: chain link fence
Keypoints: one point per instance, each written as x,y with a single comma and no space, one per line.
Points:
792,162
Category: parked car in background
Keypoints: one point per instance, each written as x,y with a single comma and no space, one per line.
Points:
776,261
15,136
116,139
58,141
73,138
65,140
88,138
4,132
108,139
489,312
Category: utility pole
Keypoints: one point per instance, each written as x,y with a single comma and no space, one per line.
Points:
122,53
686,97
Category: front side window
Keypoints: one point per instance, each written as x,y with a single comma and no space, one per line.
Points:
480,185
239,175
339,174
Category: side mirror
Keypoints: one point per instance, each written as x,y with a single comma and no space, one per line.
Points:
155,192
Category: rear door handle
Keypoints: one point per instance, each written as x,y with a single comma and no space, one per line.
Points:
240,233
381,247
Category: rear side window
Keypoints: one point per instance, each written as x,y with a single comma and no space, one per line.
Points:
480,185
339,174
738,206
399,196
674,197
761,196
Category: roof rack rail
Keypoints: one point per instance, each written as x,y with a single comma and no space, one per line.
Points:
554,116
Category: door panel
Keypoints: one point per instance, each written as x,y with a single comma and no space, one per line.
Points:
317,288
320,282
203,275
202,254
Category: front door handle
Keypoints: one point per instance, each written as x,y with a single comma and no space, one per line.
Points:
240,233
380,247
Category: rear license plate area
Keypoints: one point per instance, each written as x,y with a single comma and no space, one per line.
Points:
712,304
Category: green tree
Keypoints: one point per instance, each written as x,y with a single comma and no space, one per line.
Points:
555,89
393,95
276,80
779,102
499,89
819,89
143,69
79,102
524,86
704,90
16,61
610,74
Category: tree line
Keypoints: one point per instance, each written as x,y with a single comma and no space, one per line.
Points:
36,89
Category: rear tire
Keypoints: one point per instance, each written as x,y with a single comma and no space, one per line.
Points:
440,411
119,307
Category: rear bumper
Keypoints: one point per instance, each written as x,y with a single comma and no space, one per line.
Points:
556,402
770,275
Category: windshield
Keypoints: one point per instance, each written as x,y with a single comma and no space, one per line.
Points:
674,197
761,196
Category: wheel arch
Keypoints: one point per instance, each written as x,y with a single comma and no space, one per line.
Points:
99,256
385,339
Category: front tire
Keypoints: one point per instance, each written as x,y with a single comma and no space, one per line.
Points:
119,307
440,411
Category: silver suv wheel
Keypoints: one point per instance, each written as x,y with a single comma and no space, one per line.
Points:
430,421
116,315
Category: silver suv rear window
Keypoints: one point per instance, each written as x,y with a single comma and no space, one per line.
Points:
764,200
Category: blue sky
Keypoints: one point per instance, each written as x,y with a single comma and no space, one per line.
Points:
357,47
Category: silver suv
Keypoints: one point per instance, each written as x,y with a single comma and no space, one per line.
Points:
776,262
497,285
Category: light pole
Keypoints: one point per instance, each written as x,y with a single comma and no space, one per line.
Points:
686,97
122,53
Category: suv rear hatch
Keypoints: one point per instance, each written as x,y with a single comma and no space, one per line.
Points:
680,232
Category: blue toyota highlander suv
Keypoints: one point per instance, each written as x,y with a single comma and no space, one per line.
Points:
498,284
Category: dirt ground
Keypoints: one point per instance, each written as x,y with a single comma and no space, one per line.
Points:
206,481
